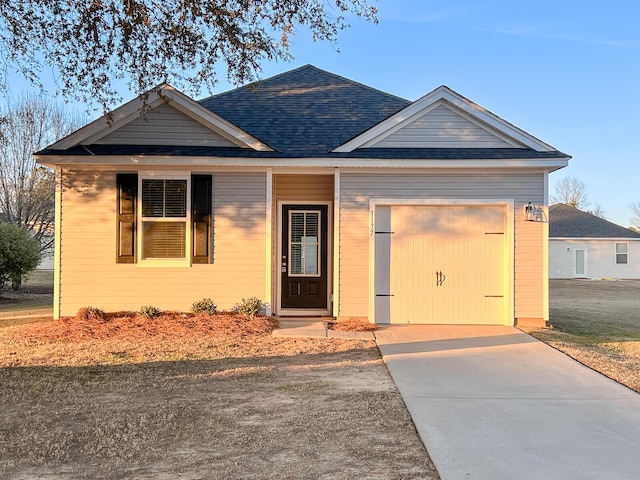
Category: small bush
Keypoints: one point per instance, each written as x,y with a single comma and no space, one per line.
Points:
149,311
91,313
19,254
205,305
249,307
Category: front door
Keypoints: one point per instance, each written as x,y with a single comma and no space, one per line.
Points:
304,257
580,263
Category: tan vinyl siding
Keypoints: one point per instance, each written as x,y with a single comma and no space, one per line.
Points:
90,275
529,274
440,128
303,187
165,125
357,188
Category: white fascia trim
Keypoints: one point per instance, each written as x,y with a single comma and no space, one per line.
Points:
596,239
162,94
51,160
445,93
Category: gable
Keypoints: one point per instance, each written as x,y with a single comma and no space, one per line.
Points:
440,127
464,113
170,117
164,125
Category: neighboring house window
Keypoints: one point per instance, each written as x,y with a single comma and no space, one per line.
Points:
164,218
622,253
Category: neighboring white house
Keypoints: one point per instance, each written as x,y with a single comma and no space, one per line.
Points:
582,245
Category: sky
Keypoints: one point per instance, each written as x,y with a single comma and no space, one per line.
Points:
566,72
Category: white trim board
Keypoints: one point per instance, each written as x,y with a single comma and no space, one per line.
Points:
102,161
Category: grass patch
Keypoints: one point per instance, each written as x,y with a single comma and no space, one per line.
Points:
34,299
598,324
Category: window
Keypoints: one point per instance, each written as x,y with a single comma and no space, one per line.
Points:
622,253
304,243
164,218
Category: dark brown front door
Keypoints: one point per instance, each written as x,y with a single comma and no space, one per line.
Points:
303,263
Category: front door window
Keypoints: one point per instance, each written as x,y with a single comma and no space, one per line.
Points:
304,243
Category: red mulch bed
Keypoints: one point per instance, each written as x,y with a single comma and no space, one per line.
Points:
352,325
166,325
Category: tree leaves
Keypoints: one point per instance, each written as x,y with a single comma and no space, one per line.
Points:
146,42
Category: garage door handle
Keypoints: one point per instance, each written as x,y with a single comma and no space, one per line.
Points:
440,278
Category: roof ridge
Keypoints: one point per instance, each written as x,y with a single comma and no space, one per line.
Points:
355,82
297,69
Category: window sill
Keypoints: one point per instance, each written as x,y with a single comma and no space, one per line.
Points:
157,263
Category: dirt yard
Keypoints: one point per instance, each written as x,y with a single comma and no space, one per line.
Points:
127,398
597,322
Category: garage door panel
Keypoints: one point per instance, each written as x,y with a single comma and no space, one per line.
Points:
446,264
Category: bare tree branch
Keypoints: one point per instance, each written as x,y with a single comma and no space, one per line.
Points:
572,192
635,220
27,189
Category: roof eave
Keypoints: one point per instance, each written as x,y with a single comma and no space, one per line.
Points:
546,164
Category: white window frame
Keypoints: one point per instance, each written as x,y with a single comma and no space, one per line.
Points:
162,262
625,253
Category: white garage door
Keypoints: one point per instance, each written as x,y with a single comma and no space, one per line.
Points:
441,264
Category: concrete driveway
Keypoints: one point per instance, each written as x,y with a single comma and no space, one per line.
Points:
494,403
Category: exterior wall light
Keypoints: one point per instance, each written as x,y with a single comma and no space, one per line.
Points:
533,213
529,214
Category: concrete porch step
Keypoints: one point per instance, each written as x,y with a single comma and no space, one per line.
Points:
314,327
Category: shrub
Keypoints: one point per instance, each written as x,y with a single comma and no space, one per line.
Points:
19,253
149,311
205,305
90,313
249,307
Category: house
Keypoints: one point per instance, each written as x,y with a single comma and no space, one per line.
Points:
313,192
582,245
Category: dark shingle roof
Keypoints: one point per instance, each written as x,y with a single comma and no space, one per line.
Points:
306,113
566,221
373,153
305,109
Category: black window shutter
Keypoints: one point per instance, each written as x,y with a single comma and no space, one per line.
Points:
126,216
201,218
